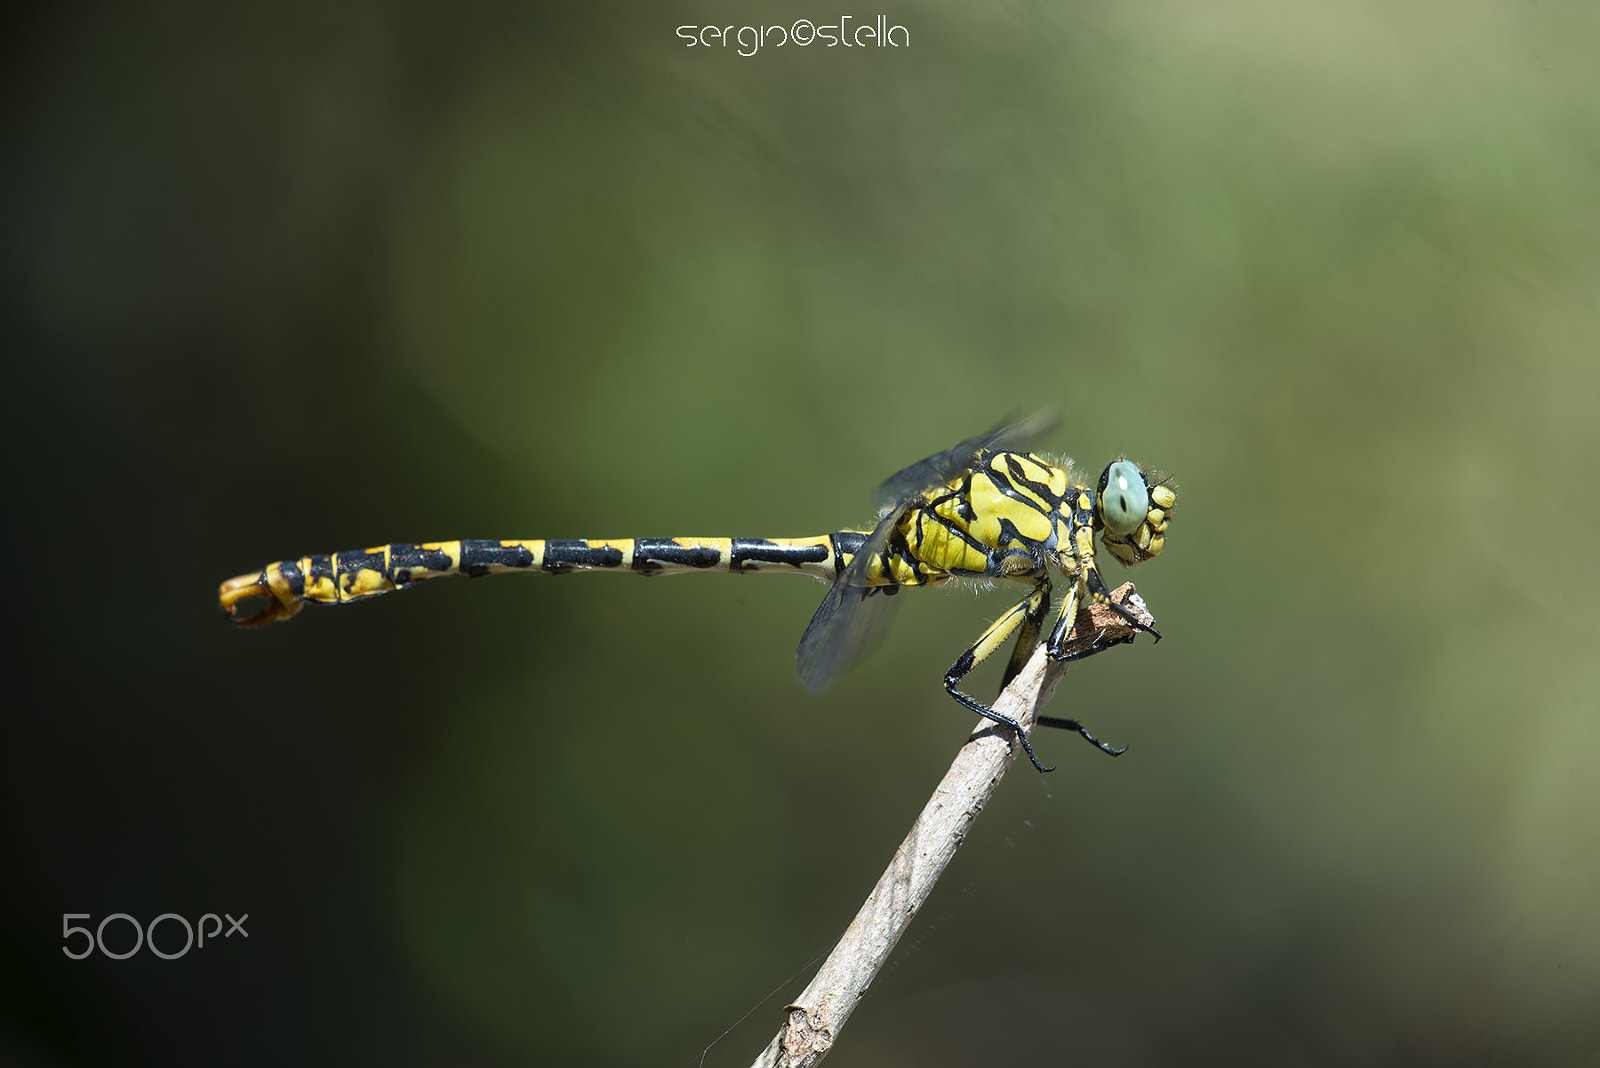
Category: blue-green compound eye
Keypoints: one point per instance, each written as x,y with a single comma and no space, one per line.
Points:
1124,500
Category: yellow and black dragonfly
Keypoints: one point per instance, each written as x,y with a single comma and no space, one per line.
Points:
986,509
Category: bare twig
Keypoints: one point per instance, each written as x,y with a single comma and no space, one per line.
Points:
818,1014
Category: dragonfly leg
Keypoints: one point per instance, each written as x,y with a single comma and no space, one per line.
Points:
1073,725
1056,642
1028,635
1034,605
1069,614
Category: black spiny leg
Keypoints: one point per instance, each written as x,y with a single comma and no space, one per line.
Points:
1057,646
1097,588
1015,617
1073,725
1099,645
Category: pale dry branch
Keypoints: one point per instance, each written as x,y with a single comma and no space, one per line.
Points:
817,1015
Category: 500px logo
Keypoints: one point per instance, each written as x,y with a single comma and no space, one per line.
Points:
145,936
801,32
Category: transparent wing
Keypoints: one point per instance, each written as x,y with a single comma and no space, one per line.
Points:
940,468
852,617
854,614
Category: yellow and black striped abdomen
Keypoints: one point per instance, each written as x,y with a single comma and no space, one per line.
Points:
354,575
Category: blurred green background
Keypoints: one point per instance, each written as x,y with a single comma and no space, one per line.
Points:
295,279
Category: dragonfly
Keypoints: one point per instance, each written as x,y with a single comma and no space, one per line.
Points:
987,510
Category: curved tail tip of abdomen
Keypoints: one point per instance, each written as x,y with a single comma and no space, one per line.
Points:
248,601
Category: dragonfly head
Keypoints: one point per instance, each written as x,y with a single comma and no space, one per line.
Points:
1134,507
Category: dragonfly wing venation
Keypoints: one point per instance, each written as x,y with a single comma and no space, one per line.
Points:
852,617
940,468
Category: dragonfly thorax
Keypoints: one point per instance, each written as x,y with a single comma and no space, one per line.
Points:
1005,517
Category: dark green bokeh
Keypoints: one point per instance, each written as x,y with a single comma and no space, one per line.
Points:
296,280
